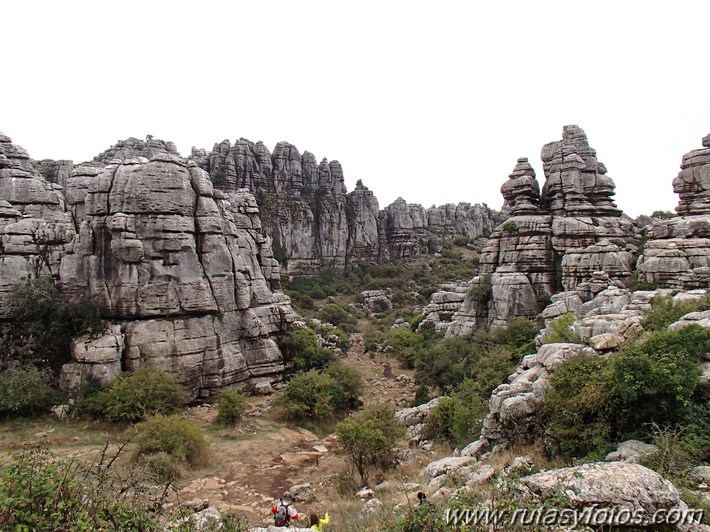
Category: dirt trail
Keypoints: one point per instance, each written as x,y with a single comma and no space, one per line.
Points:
258,460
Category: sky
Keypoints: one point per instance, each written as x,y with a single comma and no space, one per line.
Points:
429,101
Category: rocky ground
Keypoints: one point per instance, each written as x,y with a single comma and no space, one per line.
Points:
255,462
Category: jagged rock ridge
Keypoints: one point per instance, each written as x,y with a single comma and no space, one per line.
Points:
677,253
554,240
316,224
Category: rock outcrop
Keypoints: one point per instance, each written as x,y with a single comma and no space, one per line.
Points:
185,278
626,493
34,227
184,269
677,252
315,224
554,240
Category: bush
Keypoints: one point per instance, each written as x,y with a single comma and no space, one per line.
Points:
175,436
594,401
348,377
25,391
133,396
481,293
336,315
301,351
312,396
518,334
40,491
368,439
562,331
45,322
664,312
510,226
456,419
231,406
405,345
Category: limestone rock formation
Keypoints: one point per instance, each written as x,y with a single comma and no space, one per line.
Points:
554,240
34,227
522,191
183,268
633,488
444,303
133,147
677,253
315,224
363,237
403,229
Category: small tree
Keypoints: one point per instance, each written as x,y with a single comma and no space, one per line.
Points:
178,437
231,406
45,322
26,391
133,396
368,439
301,351
312,396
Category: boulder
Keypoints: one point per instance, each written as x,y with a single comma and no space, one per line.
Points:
611,486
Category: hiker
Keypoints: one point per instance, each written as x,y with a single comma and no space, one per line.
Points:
423,500
283,511
317,523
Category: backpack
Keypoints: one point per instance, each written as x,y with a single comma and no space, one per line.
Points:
281,517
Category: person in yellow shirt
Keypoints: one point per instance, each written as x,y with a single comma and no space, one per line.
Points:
317,523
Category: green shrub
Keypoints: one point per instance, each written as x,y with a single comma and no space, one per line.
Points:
576,407
173,435
414,322
312,396
301,351
133,396
481,293
456,419
595,401
510,226
336,315
562,331
664,312
26,391
348,377
518,334
231,406
45,322
405,345
43,492
368,439
163,467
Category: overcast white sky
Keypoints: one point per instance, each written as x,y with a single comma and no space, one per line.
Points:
431,101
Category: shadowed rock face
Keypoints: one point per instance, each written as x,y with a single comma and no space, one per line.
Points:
310,217
554,240
677,253
185,276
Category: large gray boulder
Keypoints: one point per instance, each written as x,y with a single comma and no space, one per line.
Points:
620,488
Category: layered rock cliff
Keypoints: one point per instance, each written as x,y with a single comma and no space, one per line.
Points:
553,240
185,277
316,224
34,225
677,252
